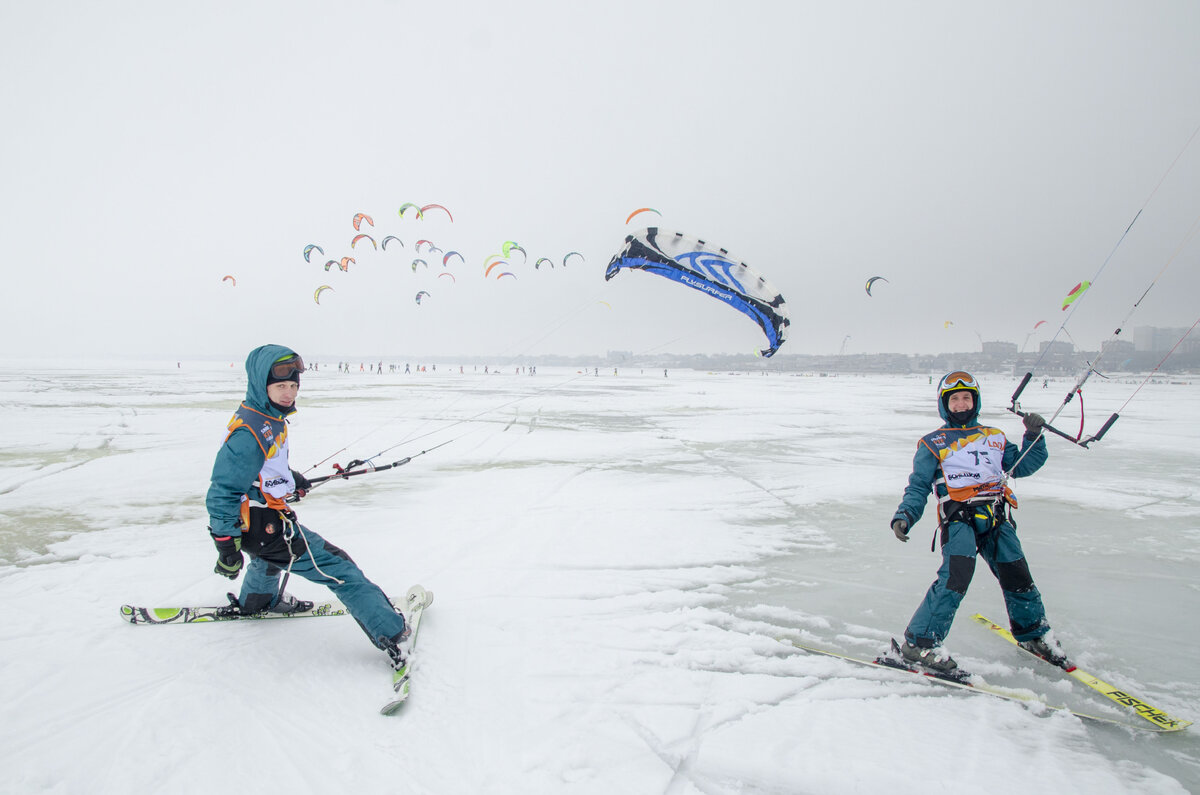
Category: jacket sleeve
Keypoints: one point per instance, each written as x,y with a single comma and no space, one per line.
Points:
1031,461
920,483
238,463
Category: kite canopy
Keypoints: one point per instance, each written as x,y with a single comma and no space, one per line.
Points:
874,279
1076,291
711,270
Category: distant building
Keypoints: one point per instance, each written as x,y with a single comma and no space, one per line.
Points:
999,349
1114,348
1152,338
1056,347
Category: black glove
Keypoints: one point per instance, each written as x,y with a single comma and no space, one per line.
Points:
900,528
302,484
229,556
1033,423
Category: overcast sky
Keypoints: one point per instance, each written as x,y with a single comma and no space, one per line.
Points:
984,158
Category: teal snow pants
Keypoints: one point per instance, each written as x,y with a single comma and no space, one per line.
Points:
999,546
328,565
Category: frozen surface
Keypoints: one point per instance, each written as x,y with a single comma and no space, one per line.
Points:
614,558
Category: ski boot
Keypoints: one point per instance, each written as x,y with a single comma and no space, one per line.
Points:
1048,648
935,658
288,604
397,647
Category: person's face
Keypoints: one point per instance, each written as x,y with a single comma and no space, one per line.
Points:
283,393
961,401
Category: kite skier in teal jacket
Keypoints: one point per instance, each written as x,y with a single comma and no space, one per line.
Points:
967,467
249,511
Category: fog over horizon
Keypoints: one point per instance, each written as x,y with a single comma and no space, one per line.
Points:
984,161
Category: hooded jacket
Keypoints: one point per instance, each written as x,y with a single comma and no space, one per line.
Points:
236,470
927,466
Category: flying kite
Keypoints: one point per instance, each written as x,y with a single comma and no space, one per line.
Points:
642,210
360,237
359,218
310,248
406,205
448,273
570,254
419,295
321,289
230,279
874,279
1035,325
423,262
511,246
488,271
383,245
1076,291
345,264
438,206
538,265
712,271
449,254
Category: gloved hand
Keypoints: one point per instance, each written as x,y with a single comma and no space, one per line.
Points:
900,528
229,556
1033,423
302,485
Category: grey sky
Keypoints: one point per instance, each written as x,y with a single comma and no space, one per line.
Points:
983,158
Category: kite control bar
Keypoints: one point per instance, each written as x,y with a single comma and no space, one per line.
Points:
358,467
1079,438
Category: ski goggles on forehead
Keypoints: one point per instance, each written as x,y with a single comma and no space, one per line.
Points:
959,380
285,367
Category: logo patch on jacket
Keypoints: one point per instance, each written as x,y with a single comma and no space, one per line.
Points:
265,431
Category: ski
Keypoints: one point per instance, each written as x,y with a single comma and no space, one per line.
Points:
229,612
416,601
968,682
1161,720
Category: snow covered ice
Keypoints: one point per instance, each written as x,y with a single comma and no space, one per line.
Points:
615,558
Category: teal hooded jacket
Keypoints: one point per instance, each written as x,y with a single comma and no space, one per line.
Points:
240,459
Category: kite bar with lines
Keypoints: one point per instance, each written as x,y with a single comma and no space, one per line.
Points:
353,468
1078,439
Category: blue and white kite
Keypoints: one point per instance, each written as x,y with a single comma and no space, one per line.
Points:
710,270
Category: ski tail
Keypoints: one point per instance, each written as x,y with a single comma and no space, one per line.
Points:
193,615
1126,699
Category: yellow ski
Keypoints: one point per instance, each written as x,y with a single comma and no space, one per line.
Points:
1151,713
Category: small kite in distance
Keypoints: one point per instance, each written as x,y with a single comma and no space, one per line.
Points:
642,210
1076,291
874,279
